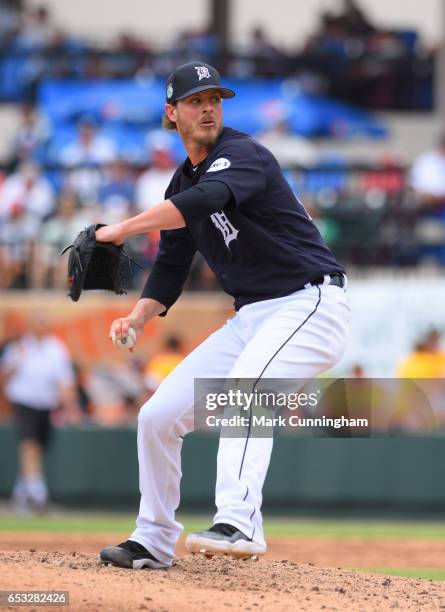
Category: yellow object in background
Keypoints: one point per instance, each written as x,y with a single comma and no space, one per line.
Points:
161,365
422,365
426,361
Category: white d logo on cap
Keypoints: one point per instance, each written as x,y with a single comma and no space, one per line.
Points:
169,90
203,72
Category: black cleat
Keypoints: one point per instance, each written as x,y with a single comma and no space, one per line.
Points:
129,554
223,539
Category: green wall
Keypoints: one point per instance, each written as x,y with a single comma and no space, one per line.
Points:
95,466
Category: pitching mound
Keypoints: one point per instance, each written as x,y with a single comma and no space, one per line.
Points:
217,584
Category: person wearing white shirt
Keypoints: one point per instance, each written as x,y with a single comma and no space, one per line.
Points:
85,156
151,185
38,377
47,268
26,199
29,190
427,178
428,173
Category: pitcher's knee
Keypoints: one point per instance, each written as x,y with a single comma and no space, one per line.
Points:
154,419
150,415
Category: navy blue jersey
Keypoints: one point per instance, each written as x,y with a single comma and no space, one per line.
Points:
262,245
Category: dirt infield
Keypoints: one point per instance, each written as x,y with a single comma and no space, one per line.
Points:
329,552
299,574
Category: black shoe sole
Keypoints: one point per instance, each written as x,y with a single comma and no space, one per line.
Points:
119,557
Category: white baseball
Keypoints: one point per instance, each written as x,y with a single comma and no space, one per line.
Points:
125,343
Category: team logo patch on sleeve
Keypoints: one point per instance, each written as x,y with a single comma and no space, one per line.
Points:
219,164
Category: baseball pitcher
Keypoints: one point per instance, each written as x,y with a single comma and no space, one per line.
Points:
229,201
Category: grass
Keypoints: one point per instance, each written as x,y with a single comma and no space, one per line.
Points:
94,522
114,523
409,572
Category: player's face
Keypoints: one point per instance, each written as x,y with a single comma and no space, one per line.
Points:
199,117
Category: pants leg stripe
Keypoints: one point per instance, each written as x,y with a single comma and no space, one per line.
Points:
251,517
260,376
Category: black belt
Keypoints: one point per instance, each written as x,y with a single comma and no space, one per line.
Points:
337,279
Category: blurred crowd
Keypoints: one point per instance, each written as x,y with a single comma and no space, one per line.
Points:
410,403
383,213
42,211
42,388
38,371
380,214
348,56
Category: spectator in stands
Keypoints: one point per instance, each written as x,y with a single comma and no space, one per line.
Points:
18,233
289,148
80,390
88,147
428,182
259,57
336,29
59,417
31,136
160,366
37,30
27,190
202,43
386,45
12,327
329,38
132,55
357,371
361,63
85,156
115,390
269,60
353,19
116,199
117,193
38,376
152,183
417,406
428,175
10,14
426,361
48,269
26,199
129,42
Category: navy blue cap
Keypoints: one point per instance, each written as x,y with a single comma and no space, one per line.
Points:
192,78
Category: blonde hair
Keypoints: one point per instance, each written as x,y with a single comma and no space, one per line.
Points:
167,123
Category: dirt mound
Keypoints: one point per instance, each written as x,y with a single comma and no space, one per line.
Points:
327,552
217,584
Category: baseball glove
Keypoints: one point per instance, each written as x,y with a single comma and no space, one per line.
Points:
95,265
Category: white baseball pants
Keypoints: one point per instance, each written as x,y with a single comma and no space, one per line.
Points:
297,336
